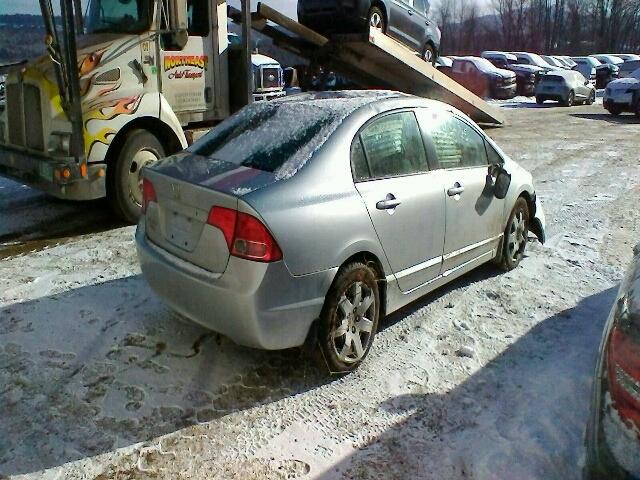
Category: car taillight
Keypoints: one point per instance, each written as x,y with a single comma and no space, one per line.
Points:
246,236
623,365
148,194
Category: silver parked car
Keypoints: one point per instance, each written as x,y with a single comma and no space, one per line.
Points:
329,210
567,87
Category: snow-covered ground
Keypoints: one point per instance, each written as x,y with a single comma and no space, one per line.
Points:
488,378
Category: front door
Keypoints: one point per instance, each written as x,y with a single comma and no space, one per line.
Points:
187,77
404,199
473,214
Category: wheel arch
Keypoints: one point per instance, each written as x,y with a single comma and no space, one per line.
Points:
371,260
380,4
162,131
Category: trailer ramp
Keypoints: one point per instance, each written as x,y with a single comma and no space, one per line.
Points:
373,61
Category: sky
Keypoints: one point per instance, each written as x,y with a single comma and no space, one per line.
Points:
288,7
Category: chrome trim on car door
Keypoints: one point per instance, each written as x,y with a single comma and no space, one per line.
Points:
417,268
468,248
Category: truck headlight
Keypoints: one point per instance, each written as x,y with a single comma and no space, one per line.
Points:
60,142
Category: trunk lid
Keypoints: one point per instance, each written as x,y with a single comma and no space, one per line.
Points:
187,187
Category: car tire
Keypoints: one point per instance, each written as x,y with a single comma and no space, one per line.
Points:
429,54
570,100
514,242
140,149
539,100
592,98
349,320
376,19
615,111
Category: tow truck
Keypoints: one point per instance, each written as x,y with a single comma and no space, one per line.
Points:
136,80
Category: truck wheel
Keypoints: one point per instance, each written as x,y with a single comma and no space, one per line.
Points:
124,173
376,20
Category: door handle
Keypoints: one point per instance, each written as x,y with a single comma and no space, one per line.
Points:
457,189
410,12
389,203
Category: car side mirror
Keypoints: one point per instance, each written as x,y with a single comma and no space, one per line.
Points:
502,181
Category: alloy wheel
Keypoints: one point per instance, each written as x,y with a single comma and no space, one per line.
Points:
352,333
517,239
376,21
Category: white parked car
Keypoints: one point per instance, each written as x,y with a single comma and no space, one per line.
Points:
623,95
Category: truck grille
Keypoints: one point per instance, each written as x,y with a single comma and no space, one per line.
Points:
271,78
24,110
14,112
33,111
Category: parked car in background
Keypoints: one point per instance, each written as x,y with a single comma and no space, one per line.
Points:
623,95
527,58
605,72
444,64
566,61
483,78
628,67
612,441
567,87
628,56
226,241
527,76
555,62
605,58
407,21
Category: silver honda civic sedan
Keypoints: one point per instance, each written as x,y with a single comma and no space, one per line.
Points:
312,217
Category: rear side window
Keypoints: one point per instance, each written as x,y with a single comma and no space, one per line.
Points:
391,146
456,143
276,136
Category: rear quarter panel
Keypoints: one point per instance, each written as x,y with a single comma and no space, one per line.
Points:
317,216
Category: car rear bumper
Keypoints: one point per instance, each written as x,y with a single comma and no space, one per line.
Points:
504,92
43,173
255,304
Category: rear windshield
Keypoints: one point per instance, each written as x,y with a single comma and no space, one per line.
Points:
277,136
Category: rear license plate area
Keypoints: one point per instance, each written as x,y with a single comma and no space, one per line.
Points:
181,231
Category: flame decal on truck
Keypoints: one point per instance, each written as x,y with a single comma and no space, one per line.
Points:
106,111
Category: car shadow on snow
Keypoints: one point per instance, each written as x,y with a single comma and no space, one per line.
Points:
629,119
520,416
108,365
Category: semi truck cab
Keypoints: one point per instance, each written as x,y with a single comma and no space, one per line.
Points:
147,71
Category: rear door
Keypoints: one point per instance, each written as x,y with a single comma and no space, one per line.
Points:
473,214
400,21
404,199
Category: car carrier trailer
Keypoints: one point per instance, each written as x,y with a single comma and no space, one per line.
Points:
145,77
371,59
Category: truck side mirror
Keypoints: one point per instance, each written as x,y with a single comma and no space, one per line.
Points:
178,24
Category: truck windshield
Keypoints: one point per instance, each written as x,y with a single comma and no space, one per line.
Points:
118,16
